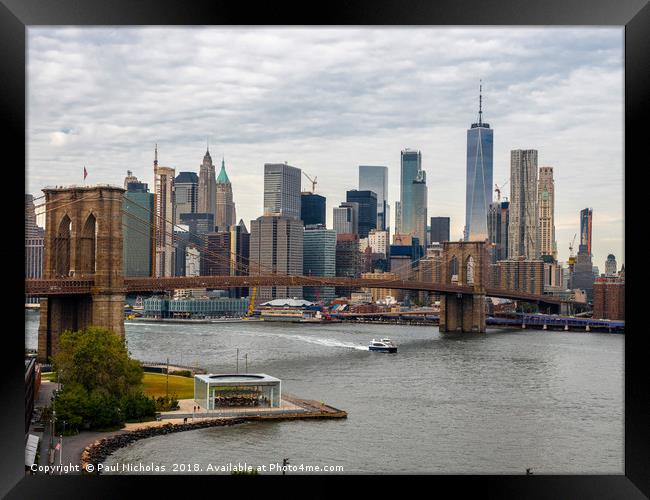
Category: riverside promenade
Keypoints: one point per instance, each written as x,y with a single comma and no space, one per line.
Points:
92,447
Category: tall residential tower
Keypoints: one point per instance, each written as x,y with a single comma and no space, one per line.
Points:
523,236
546,201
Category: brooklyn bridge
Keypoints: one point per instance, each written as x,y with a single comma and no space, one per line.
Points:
84,284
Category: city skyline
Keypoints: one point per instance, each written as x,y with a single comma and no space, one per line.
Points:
557,107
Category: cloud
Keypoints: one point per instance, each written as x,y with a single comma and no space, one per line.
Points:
329,99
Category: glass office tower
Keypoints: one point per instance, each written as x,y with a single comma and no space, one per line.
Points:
480,140
375,179
411,166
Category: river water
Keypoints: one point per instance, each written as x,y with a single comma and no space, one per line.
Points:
495,403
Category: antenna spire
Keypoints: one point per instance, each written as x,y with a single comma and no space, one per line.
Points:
155,157
480,103
207,141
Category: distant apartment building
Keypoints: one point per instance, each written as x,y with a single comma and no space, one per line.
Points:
378,294
378,241
519,274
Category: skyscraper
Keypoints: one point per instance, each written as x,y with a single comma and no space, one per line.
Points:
276,246
137,229
546,202
367,201
312,208
523,237
319,259
129,178
478,194
186,189
375,179
439,230
207,196
585,228
281,190
348,260
346,218
240,240
420,196
411,209
164,223
498,226
610,265
225,207
34,245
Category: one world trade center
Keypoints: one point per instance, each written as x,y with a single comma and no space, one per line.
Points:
479,177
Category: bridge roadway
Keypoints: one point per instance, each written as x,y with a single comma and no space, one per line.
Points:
80,286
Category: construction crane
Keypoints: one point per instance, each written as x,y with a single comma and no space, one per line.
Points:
497,189
313,181
572,257
251,304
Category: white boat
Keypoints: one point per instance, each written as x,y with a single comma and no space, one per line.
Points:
382,345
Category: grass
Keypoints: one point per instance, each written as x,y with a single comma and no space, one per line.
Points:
48,376
155,384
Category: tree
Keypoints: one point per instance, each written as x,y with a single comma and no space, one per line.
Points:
97,359
102,386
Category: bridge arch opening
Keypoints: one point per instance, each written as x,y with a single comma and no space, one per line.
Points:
469,270
453,269
62,248
88,246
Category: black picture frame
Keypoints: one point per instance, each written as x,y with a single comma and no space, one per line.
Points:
16,15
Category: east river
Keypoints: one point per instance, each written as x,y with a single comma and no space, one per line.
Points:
495,403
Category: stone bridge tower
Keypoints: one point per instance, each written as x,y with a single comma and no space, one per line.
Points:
83,240
464,263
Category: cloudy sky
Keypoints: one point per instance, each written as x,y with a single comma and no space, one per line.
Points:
329,99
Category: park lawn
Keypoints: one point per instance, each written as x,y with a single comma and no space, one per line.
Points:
155,384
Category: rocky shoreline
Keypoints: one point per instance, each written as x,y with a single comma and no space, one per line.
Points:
98,451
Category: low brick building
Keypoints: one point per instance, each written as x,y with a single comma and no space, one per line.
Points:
609,298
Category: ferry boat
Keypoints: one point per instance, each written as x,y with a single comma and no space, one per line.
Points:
383,345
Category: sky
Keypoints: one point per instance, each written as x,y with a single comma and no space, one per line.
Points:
327,100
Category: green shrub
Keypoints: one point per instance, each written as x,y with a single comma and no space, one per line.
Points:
181,373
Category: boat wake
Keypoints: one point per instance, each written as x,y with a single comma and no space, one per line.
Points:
321,341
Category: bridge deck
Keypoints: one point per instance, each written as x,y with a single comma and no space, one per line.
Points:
77,286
